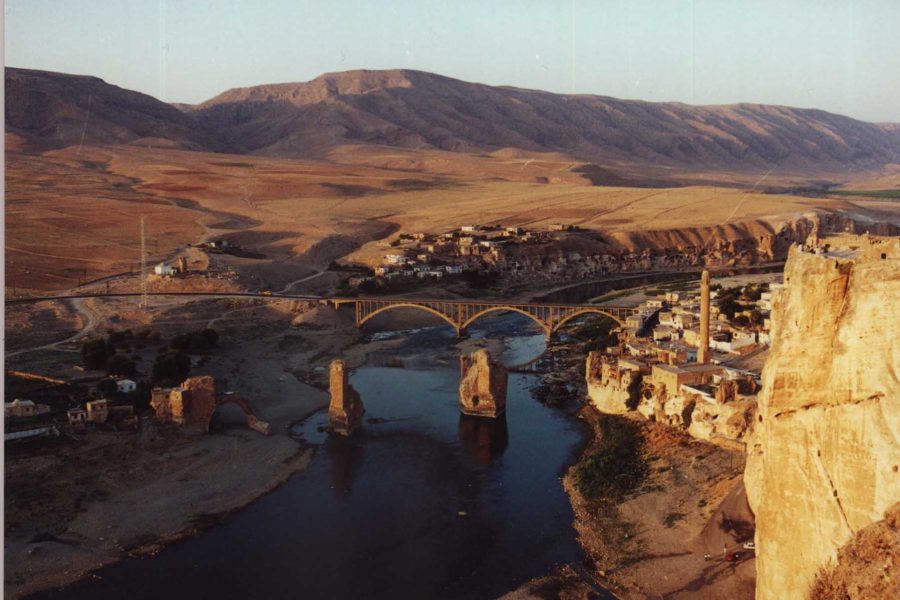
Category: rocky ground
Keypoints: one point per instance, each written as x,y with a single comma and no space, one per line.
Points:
73,506
646,535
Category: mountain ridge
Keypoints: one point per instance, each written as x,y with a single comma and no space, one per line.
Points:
415,109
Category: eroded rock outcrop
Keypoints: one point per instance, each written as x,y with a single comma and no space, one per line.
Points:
868,566
482,389
823,459
612,386
346,410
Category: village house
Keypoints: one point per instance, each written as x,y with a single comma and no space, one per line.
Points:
97,411
22,409
125,386
77,417
164,269
671,377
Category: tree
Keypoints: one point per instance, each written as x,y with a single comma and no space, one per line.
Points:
95,353
171,367
211,336
118,364
196,342
107,388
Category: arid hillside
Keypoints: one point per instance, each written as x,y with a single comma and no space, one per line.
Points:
623,142
413,109
306,174
54,110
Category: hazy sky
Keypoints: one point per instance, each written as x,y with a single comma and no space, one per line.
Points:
841,55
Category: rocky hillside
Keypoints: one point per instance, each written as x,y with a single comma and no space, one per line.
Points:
54,110
823,460
414,109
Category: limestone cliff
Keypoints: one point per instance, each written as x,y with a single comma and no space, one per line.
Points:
612,388
823,459
482,389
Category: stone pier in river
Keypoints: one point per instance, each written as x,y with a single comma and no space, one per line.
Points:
345,411
482,387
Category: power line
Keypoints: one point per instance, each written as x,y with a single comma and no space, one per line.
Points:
145,300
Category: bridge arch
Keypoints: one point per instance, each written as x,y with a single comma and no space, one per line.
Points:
253,422
433,311
586,311
491,309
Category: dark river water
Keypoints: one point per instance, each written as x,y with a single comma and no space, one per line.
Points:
422,503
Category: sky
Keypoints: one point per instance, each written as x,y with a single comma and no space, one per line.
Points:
842,56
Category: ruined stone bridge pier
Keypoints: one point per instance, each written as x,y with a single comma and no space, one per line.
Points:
461,314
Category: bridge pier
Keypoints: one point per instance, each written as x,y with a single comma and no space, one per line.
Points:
462,333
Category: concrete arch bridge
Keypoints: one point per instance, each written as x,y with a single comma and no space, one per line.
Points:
461,314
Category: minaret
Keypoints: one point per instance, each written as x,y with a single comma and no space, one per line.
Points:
703,350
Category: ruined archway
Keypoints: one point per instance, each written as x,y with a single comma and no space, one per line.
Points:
253,422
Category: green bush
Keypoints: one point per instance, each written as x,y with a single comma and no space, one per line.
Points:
118,364
95,353
171,367
196,342
615,466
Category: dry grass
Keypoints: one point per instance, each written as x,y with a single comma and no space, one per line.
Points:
868,566
73,212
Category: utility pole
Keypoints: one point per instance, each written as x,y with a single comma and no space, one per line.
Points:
143,274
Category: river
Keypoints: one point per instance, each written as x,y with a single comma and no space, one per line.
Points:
422,503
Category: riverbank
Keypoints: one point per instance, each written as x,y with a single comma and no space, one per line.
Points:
652,539
75,506
650,502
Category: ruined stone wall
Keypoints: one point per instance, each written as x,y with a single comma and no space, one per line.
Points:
823,459
345,411
611,389
482,388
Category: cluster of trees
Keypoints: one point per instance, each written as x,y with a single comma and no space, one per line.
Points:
731,300
196,342
173,364
595,333
101,355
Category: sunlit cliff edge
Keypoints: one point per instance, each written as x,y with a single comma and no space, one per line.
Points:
823,458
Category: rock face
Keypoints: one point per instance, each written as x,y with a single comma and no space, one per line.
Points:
482,389
868,566
823,459
345,411
611,387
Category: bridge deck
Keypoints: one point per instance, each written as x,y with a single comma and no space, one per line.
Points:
458,313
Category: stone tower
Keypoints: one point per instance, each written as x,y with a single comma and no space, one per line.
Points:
703,350
345,411
482,389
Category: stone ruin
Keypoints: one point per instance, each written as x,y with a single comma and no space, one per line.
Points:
345,411
482,388
195,401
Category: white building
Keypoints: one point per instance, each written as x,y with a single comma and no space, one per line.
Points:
164,269
125,386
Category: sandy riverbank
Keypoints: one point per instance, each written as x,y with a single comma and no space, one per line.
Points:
649,540
73,507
